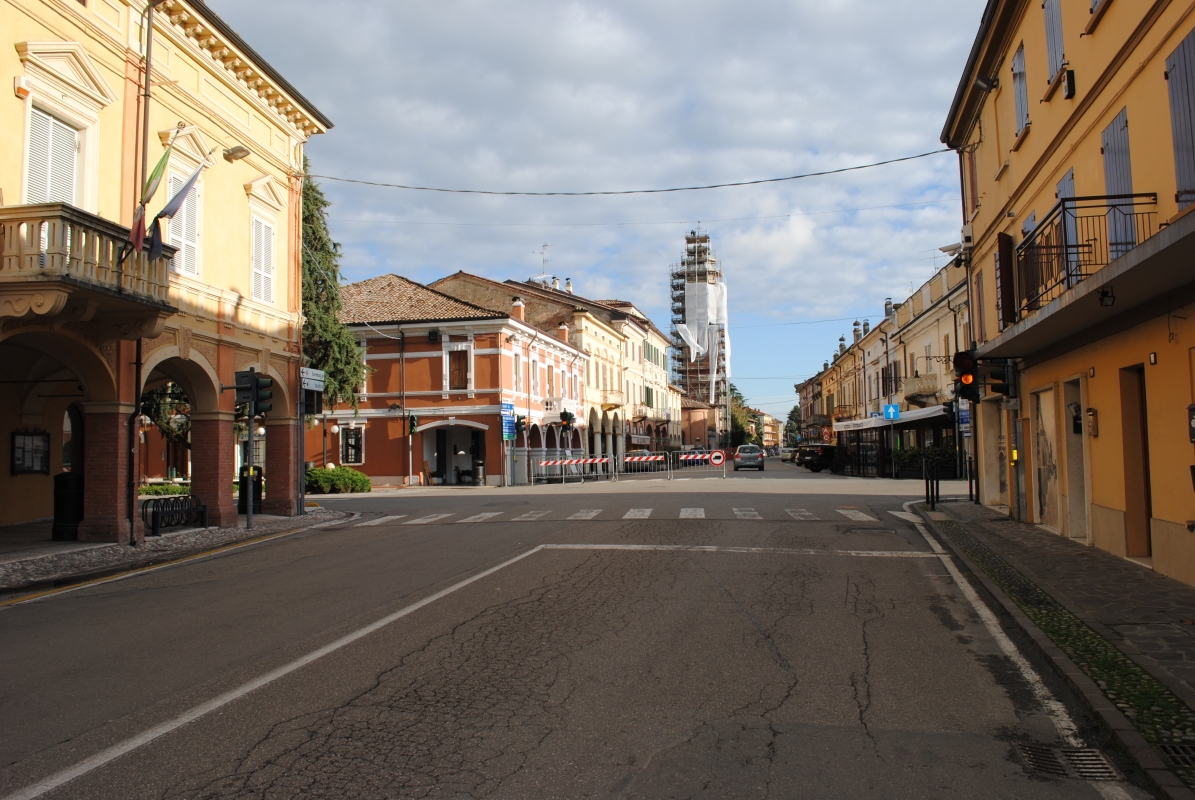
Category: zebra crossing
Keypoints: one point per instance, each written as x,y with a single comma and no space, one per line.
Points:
585,514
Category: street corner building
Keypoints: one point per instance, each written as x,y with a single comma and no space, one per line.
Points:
1074,122
442,375
89,323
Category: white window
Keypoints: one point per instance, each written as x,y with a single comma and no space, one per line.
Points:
518,374
53,159
263,261
184,228
534,378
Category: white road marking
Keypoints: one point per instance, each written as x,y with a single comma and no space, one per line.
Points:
334,522
858,516
1057,711
109,755
746,513
482,517
800,513
637,513
426,520
706,548
692,513
586,513
380,521
530,516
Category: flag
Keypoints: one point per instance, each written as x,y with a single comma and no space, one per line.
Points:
155,240
177,201
137,232
155,177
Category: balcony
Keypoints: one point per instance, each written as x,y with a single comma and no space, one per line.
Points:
55,258
640,411
612,398
922,386
1079,237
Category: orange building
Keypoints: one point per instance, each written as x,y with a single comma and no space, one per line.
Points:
1075,128
452,365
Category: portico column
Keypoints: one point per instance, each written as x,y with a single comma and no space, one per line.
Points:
106,459
608,448
597,449
281,468
213,465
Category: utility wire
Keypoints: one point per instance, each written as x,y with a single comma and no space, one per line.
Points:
635,191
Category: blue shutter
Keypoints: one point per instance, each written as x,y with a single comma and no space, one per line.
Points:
1020,89
1065,191
1180,75
1055,50
1118,179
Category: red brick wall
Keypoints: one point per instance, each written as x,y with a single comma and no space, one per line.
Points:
213,459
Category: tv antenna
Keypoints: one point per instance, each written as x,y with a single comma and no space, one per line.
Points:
543,254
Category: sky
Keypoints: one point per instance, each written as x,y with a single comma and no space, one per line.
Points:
531,95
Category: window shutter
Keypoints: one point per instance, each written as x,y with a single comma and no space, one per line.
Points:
1180,69
1118,179
39,157
184,229
258,259
1055,50
1006,304
1020,89
53,153
267,271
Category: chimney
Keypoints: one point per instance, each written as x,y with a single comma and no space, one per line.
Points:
887,306
858,334
516,309
556,284
825,365
842,345
866,327
562,332
568,285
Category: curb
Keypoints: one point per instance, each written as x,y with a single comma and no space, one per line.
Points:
1122,730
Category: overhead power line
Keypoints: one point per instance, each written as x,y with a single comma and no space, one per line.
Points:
635,191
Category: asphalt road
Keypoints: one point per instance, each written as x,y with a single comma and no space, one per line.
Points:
781,635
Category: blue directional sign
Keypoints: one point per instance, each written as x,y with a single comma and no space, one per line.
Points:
891,412
508,421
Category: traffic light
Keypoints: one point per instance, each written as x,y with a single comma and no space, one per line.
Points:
1001,383
262,395
566,420
966,370
412,423
244,387
520,425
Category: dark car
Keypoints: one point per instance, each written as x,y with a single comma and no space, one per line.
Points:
748,455
816,457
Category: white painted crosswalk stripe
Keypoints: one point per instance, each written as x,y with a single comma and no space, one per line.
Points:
746,513
692,513
482,517
530,516
426,520
855,514
800,513
380,520
586,513
637,513
907,516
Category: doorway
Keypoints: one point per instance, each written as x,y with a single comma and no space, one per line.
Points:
1045,459
1135,427
1076,462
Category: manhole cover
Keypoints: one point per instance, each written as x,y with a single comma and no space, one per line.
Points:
1179,755
1084,763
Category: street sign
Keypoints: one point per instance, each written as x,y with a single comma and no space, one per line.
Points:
313,384
717,457
891,412
827,434
508,428
508,410
314,374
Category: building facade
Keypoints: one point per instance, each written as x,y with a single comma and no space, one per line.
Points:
87,325
1075,133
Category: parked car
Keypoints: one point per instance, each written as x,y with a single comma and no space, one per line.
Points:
788,454
748,455
816,457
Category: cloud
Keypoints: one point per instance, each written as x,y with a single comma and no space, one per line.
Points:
536,95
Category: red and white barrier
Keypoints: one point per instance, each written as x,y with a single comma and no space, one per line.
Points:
571,461
632,459
696,457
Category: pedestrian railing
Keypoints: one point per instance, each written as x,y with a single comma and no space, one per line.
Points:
702,465
566,470
171,512
656,466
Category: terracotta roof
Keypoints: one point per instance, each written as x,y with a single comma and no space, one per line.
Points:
392,298
686,402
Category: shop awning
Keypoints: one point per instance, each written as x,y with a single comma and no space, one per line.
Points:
912,415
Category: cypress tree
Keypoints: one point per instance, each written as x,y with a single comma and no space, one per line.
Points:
327,342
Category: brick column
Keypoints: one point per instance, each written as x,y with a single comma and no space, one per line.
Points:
213,465
281,468
106,473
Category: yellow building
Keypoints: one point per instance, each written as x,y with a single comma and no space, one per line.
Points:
1075,128
83,333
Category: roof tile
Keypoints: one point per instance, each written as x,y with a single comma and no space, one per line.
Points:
392,298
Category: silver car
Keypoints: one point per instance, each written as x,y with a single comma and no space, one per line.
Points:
748,455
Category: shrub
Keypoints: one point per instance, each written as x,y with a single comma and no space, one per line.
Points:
162,489
911,457
342,480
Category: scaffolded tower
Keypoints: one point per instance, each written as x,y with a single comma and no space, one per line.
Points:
694,376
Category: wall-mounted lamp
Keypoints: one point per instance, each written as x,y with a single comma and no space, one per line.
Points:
335,428
394,406
951,249
261,430
986,84
1153,358
1107,297
1091,372
236,153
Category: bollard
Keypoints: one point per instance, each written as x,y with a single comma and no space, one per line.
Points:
155,521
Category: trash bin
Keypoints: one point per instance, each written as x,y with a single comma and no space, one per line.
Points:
68,506
479,473
243,494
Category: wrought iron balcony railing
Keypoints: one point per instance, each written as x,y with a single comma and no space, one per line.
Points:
1077,238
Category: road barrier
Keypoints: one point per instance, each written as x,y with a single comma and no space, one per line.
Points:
563,470
702,465
657,466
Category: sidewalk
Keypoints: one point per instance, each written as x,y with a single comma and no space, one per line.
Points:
1121,634
28,558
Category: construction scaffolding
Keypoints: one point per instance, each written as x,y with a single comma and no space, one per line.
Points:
699,327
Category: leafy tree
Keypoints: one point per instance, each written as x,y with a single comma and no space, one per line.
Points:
792,427
327,343
740,419
169,410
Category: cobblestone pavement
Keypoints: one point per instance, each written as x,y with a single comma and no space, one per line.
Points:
45,567
1150,616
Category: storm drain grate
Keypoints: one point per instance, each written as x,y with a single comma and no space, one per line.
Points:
1179,755
1084,763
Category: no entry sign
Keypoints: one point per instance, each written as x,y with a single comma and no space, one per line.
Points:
717,457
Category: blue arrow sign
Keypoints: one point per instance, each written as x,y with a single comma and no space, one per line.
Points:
891,412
